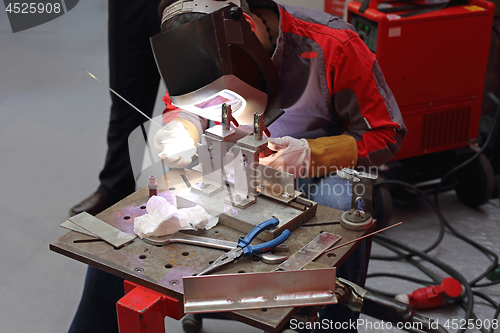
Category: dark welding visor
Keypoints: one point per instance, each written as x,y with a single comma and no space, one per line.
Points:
218,59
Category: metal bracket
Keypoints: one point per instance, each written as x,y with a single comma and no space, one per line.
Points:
246,162
227,117
212,156
276,184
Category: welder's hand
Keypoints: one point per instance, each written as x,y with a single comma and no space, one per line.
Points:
292,156
174,145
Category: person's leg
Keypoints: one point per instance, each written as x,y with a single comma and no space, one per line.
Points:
134,75
335,192
332,191
97,311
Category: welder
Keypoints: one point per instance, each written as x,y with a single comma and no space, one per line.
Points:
339,111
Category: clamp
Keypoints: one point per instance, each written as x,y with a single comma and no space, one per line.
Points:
381,307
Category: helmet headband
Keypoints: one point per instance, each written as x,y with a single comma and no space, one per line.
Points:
194,6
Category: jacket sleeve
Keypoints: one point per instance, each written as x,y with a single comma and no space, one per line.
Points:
366,105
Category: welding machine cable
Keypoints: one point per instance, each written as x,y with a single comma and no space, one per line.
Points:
451,272
175,144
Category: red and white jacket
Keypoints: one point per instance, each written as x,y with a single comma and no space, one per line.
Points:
331,84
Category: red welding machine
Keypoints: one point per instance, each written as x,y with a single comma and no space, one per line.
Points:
434,63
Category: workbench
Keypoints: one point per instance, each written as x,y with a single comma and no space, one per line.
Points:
161,268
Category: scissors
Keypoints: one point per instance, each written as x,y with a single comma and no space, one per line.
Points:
244,248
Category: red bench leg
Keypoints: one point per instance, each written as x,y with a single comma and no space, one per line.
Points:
143,310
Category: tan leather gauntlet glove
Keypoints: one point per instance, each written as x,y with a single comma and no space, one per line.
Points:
332,153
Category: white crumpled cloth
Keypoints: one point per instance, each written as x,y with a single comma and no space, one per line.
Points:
163,218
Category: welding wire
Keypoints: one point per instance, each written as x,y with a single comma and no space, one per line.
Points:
357,239
117,94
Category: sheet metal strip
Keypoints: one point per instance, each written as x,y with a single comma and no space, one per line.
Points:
71,226
230,292
309,252
102,230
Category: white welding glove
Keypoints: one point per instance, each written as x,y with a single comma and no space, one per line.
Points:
174,145
292,156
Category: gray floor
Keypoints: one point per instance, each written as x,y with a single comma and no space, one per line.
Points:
52,138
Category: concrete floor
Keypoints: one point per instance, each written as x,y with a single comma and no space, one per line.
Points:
52,138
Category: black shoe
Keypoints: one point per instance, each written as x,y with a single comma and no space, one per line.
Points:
93,205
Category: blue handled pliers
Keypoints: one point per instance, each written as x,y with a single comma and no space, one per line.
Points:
244,248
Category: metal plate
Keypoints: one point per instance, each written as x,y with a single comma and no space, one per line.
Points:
102,230
246,219
230,292
309,252
71,226
277,184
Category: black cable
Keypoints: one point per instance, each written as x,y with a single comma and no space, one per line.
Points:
480,248
380,239
402,277
486,297
442,220
415,263
385,293
488,284
434,207
466,306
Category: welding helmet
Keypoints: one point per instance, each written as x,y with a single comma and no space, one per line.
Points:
217,59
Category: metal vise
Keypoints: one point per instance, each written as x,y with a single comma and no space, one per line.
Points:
246,160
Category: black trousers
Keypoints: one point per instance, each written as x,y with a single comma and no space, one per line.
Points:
133,74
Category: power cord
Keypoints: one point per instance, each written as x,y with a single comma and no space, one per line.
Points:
410,253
